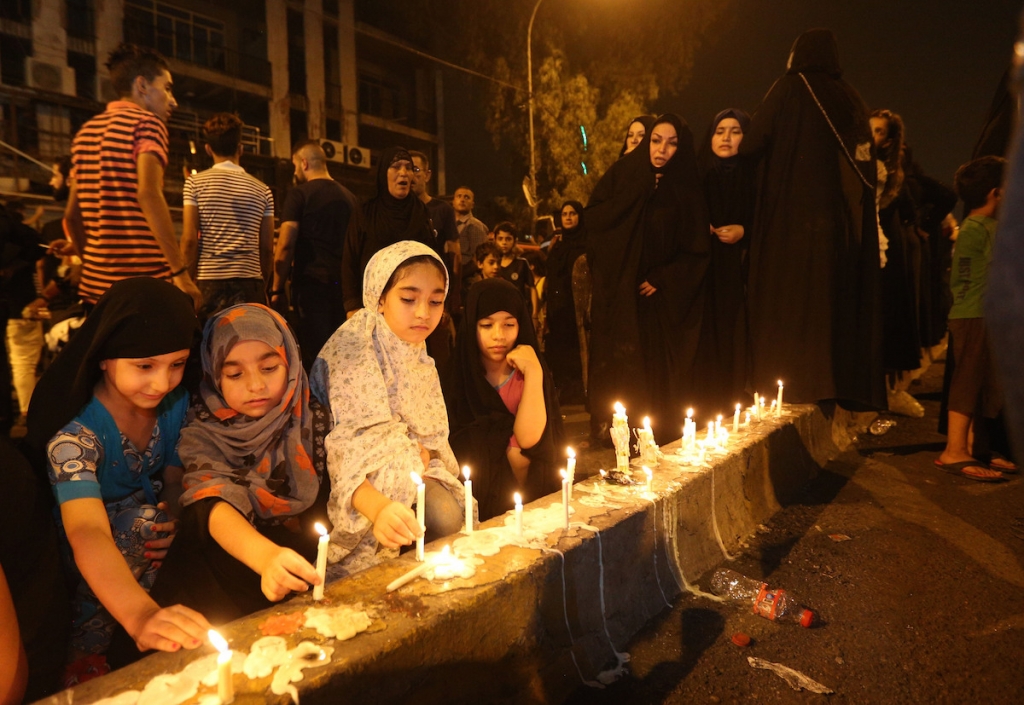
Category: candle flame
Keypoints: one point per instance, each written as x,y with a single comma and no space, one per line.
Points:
570,452
320,528
519,499
218,641
780,382
603,473
647,471
719,418
619,408
416,478
689,413
465,471
737,407
647,423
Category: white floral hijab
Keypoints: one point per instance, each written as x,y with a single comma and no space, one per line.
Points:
385,400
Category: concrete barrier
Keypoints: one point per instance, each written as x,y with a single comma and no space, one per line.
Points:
531,624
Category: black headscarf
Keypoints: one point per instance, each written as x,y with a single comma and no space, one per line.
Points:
139,317
480,424
564,253
387,219
646,120
729,183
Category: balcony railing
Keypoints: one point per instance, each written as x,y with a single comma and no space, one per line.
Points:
209,56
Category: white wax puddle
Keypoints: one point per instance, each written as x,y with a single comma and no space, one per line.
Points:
266,654
342,622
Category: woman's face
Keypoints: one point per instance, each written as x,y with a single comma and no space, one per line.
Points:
412,308
664,143
400,178
634,135
880,131
254,378
570,218
725,142
496,335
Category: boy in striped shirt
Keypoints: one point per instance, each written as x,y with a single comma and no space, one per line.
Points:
229,223
116,214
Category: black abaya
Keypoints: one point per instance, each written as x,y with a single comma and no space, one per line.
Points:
815,320
562,344
643,349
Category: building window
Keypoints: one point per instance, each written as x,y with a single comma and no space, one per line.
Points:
17,10
380,97
299,131
176,33
85,74
296,53
13,51
330,8
80,19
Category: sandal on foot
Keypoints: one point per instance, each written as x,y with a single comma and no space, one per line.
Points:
997,462
961,470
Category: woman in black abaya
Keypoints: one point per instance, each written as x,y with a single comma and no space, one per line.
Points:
813,296
730,189
562,344
648,247
635,132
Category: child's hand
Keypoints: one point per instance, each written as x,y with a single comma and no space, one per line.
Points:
424,456
171,628
285,572
524,359
156,549
395,525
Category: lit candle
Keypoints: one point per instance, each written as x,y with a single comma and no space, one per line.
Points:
746,421
570,468
620,437
778,409
469,499
419,570
225,686
519,515
718,425
775,408
725,438
690,429
565,495
321,561
650,477
760,409
711,433
757,406
421,502
736,420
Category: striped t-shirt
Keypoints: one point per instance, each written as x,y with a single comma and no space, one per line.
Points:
232,205
119,244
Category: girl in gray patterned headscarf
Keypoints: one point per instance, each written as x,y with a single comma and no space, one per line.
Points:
388,412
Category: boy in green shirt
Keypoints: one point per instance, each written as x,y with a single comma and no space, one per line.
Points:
972,389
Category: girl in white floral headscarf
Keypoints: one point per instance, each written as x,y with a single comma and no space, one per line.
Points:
388,412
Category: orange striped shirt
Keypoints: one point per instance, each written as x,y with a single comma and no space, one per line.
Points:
119,244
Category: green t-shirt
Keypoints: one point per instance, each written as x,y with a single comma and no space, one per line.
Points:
968,277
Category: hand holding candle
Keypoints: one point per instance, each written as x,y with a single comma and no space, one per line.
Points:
225,686
321,561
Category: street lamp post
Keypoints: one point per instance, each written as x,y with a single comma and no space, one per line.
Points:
529,92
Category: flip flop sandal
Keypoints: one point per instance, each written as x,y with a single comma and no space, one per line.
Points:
1008,469
960,468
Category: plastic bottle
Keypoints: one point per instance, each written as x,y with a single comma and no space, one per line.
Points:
776,605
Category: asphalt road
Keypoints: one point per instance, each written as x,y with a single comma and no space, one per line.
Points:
923,602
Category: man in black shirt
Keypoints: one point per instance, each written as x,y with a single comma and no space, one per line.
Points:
315,220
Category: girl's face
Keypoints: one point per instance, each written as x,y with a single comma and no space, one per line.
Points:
254,378
144,381
725,142
496,335
880,131
504,241
664,143
634,136
412,308
570,218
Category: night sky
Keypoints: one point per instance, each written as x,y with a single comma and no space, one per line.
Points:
936,62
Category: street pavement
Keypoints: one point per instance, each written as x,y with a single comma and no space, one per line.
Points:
917,578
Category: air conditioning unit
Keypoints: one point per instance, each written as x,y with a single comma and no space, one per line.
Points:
358,157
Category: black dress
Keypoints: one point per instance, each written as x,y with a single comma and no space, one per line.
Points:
479,423
815,318
562,344
643,348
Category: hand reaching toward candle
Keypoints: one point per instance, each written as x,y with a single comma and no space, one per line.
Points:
395,525
286,572
169,629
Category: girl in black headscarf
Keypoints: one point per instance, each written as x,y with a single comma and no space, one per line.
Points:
562,344
648,247
502,410
635,132
108,412
730,189
813,298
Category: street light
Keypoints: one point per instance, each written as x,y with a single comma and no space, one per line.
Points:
529,93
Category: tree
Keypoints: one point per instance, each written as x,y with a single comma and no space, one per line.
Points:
597,63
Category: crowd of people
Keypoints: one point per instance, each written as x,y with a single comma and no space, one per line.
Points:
213,399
